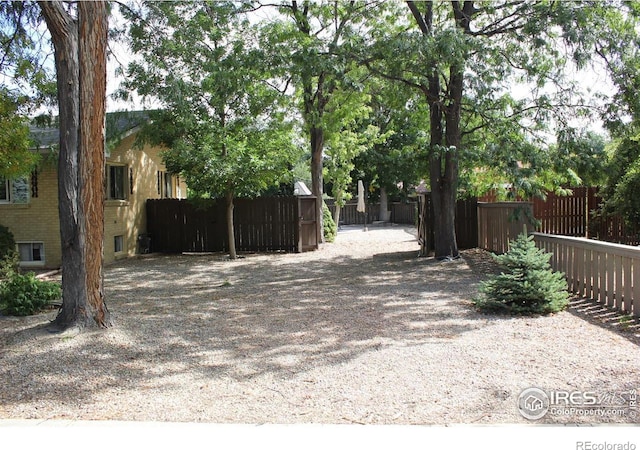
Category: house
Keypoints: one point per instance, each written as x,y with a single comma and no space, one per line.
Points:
29,206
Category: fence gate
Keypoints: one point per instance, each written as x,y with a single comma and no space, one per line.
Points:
262,224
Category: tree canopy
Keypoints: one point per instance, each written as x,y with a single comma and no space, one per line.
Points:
224,120
26,83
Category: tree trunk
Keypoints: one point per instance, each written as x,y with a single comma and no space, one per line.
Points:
230,232
317,145
443,159
443,175
384,205
80,55
92,20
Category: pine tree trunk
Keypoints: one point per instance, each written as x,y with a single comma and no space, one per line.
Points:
81,158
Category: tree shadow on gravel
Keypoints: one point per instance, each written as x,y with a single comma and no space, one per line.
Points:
266,315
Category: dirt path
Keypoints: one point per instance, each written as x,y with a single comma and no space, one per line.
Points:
361,331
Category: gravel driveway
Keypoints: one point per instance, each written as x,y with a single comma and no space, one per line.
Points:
361,331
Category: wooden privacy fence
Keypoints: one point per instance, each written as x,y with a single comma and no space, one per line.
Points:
573,215
614,229
606,272
501,222
466,224
350,216
566,215
401,213
404,213
261,224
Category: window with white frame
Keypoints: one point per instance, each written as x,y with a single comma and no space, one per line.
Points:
168,185
31,253
165,184
14,191
116,182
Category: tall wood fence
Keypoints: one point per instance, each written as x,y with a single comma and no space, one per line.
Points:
261,224
606,272
574,215
466,224
401,213
349,214
614,229
501,222
566,215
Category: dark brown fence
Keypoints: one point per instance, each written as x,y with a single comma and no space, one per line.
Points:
566,215
350,216
574,215
404,213
614,229
261,224
401,213
466,224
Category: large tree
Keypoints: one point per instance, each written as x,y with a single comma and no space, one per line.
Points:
26,84
223,118
622,115
79,35
465,58
16,159
396,164
314,42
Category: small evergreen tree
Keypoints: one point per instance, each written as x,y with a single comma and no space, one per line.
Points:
527,284
330,228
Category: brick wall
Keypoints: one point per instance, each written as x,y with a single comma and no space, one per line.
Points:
38,221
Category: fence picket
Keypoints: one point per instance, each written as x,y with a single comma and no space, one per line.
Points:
611,273
635,301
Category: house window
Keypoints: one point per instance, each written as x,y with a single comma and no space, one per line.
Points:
165,184
31,253
168,186
116,182
118,244
14,191
5,188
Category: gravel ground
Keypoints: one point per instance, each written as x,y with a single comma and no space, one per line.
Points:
361,331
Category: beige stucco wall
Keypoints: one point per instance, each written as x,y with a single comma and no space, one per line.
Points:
38,221
127,218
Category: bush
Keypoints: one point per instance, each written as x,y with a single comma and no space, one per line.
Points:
330,228
7,242
23,295
9,265
527,284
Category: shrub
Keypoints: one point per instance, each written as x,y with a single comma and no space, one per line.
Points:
9,265
527,284
329,226
23,295
7,242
